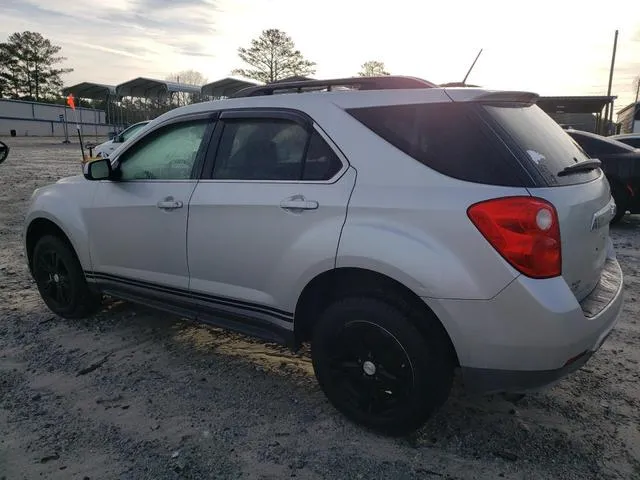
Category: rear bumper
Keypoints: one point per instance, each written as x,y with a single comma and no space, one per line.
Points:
533,333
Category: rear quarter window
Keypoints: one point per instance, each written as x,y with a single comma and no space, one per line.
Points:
450,138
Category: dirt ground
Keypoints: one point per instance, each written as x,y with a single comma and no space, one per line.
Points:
170,399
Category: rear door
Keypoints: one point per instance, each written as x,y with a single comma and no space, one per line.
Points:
267,215
581,198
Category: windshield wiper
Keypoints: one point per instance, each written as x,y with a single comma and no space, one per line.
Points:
585,166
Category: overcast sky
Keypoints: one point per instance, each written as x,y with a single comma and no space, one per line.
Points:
558,47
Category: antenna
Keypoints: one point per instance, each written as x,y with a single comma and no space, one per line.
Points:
464,80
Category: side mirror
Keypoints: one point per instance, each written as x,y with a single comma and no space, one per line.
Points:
4,152
118,139
99,169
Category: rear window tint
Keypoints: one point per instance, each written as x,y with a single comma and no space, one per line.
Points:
542,142
447,137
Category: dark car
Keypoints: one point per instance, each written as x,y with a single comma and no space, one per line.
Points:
620,164
632,139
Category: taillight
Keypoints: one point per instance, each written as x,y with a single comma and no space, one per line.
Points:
524,230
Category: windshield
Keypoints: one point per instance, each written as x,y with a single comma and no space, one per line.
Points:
542,142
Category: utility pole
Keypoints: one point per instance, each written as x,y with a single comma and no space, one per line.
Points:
608,115
635,106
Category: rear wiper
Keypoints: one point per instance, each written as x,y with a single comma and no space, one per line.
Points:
585,166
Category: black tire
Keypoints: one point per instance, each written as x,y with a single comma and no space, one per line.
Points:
621,198
411,375
61,281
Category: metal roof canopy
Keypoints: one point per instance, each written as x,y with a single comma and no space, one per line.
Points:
93,91
575,104
227,86
151,88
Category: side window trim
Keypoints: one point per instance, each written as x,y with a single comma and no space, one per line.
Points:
286,114
196,171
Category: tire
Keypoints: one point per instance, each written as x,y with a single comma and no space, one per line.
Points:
621,198
61,281
377,368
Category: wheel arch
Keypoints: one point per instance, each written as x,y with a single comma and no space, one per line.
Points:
39,227
342,282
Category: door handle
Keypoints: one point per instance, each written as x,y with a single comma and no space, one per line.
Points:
169,204
299,204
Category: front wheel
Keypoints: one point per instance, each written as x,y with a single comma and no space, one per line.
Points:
377,368
60,279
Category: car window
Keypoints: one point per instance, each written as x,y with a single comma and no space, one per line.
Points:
543,143
168,154
127,134
273,149
321,163
447,137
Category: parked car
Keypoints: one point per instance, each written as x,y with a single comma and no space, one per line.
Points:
4,151
105,148
621,165
357,221
631,139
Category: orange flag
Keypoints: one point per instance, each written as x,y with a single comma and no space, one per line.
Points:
71,101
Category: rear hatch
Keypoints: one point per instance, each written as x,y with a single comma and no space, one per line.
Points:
580,195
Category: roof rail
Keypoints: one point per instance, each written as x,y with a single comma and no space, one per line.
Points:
387,82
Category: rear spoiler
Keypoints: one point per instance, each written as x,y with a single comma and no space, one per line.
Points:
527,98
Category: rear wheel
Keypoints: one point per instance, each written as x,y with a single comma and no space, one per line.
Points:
377,368
621,197
60,279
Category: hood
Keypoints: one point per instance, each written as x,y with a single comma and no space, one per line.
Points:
73,179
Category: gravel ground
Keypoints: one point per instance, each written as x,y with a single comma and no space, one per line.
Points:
169,399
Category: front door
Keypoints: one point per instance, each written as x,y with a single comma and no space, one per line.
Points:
268,217
138,223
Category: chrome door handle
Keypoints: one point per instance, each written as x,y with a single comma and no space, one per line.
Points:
299,204
169,204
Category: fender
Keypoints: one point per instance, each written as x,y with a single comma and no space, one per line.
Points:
433,263
62,203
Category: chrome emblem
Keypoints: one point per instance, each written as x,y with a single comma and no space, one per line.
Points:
603,216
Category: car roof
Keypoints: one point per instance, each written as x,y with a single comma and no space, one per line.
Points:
345,99
600,138
627,135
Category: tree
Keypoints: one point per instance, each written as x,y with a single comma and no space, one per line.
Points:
28,67
372,68
273,56
192,77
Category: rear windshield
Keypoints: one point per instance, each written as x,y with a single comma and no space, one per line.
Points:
541,141
450,138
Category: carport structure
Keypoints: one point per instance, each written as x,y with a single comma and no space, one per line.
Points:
225,87
156,96
97,91
581,111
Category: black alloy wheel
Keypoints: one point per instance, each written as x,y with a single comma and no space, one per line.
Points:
52,275
371,368
60,279
377,368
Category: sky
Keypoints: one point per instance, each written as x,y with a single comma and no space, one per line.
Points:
558,47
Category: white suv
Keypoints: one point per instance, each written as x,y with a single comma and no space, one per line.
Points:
404,230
